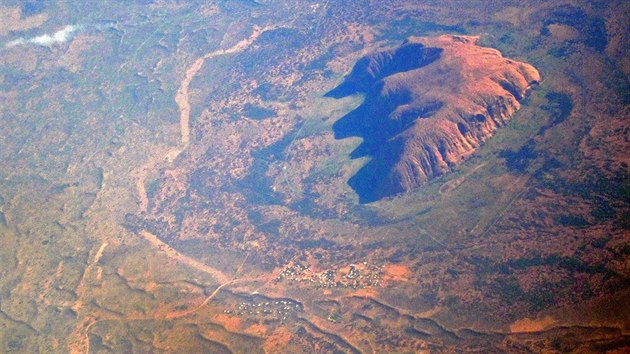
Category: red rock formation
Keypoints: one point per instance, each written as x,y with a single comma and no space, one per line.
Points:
419,121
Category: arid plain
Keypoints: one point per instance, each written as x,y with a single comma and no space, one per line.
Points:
314,176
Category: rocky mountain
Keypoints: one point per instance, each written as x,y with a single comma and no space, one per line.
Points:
428,105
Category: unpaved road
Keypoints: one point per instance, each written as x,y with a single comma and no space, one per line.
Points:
191,262
182,98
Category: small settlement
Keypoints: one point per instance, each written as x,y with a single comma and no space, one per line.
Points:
271,309
356,276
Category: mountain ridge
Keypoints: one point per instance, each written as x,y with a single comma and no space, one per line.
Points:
429,104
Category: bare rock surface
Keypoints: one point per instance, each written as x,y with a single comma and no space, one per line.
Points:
428,105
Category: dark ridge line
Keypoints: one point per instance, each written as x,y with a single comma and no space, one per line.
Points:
362,317
418,333
469,332
618,330
132,288
219,327
213,342
431,321
328,301
222,328
335,337
18,322
108,310
182,281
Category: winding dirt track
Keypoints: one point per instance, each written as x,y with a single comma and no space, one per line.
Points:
182,98
191,262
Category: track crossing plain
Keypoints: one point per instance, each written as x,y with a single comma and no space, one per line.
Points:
314,176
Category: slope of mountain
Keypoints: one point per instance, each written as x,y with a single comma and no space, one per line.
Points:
428,105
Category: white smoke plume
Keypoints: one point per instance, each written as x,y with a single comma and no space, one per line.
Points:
46,39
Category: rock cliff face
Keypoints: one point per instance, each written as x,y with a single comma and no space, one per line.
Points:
428,105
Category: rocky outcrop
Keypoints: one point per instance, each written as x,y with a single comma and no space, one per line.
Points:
428,105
